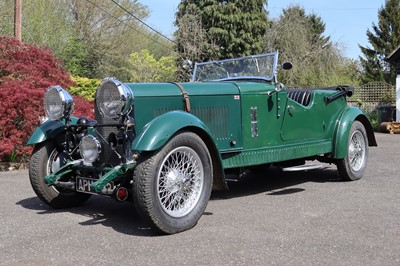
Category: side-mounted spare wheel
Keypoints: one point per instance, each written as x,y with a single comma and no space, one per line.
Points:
172,186
353,166
45,159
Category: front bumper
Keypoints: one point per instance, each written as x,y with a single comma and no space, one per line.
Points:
109,173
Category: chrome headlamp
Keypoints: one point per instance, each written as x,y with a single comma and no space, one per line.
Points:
90,149
113,98
58,103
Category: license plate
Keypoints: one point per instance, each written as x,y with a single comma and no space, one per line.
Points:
83,185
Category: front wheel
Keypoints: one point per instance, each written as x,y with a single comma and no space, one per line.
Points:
352,167
45,159
173,185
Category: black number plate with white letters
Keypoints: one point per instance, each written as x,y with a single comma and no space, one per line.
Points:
83,185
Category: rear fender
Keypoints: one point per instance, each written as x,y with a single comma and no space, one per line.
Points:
340,143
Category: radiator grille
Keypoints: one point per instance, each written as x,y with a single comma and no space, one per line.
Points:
107,155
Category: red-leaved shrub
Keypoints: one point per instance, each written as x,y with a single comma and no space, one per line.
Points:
25,73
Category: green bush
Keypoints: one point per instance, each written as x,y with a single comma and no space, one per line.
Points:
373,118
85,88
146,68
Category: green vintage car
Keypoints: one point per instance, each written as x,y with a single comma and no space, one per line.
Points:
166,146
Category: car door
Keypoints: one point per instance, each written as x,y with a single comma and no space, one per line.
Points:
304,119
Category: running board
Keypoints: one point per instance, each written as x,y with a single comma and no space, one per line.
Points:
304,167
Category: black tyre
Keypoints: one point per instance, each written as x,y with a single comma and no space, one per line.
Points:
173,185
353,166
45,159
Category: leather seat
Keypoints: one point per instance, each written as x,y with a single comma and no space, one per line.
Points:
303,97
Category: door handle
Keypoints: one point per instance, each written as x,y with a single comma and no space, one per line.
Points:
291,108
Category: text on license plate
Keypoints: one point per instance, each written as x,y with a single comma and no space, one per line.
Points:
83,185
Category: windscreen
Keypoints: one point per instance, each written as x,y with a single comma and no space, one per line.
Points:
258,66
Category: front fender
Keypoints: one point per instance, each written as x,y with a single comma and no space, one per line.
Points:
48,130
158,131
341,140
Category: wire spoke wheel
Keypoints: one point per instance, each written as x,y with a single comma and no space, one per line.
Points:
353,166
46,159
180,181
55,161
172,186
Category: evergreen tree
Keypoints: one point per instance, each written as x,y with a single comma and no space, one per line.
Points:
217,29
384,38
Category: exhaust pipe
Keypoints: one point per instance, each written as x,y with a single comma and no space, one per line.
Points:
68,185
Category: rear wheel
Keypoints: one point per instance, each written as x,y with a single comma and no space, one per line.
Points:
172,186
45,159
353,166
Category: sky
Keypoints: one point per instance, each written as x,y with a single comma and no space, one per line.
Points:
346,21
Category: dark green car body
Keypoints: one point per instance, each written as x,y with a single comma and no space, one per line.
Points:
244,123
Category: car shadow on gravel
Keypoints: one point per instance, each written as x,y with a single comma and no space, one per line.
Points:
276,182
120,216
123,218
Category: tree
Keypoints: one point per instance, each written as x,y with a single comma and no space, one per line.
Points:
44,23
300,39
109,33
192,43
104,31
384,38
93,38
215,29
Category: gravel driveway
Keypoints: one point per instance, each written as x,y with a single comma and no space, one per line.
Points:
274,218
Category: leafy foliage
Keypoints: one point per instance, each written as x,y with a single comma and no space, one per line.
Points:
92,38
345,71
85,87
107,35
214,29
44,22
192,43
384,38
146,68
75,56
26,71
300,39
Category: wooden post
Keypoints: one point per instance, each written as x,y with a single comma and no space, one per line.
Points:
18,19
398,92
